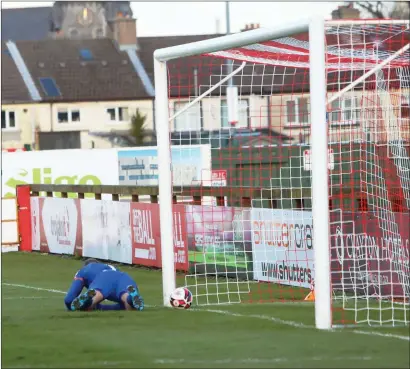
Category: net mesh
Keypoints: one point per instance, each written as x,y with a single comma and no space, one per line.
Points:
240,122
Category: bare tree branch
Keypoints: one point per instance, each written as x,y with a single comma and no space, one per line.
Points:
375,9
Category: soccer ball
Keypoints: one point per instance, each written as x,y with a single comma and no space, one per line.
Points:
181,298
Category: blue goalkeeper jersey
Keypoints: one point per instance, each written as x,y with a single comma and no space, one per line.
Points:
83,278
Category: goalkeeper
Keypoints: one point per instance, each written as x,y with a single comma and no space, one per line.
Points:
104,282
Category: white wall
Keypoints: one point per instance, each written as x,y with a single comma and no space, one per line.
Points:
211,111
27,117
93,117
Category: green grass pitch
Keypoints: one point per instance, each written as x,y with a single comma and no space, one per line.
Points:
38,332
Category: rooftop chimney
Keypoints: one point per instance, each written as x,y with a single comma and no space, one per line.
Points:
250,26
346,12
124,30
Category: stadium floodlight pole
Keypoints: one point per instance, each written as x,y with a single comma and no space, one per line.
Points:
228,31
320,175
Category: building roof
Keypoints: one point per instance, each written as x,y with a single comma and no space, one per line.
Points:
97,70
30,24
258,79
104,74
84,70
13,87
110,74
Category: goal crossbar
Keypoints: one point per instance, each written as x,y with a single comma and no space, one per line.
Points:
230,41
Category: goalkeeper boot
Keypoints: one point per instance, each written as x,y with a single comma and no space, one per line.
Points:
84,301
134,298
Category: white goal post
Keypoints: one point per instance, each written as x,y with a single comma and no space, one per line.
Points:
381,117
316,30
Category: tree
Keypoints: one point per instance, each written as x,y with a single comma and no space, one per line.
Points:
138,129
401,10
383,9
374,9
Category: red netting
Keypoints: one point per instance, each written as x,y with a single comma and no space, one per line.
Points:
247,185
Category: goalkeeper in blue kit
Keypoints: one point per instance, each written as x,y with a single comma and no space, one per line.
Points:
104,282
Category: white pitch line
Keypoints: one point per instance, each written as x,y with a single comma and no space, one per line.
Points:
25,297
373,333
263,317
96,364
267,303
260,360
202,362
228,313
33,288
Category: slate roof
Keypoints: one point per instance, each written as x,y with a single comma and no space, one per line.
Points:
30,24
110,74
13,88
258,79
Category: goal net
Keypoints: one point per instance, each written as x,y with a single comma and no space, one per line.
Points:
240,118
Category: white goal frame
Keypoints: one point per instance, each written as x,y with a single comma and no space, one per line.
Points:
319,142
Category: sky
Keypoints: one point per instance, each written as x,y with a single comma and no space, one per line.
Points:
184,18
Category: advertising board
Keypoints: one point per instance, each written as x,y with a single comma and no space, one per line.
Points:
59,225
139,166
219,236
146,236
107,230
283,246
367,259
92,167
35,223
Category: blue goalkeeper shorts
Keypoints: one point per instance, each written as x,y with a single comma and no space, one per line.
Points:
112,284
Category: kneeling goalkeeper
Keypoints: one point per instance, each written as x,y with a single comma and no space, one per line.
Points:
105,283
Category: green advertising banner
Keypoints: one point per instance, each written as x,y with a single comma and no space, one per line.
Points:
219,237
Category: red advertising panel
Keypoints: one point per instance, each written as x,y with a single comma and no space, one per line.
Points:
60,226
24,217
180,238
219,178
146,236
368,259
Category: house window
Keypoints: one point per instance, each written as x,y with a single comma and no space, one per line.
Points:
190,119
344,112
8,119
119,114
297,111
243,114
68,115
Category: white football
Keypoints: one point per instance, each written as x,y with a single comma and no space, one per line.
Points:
181,298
